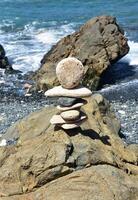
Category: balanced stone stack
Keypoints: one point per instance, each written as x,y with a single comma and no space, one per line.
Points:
70,72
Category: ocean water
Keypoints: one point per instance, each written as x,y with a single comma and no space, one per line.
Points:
29,28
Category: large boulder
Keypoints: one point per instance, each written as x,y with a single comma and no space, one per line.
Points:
98,44
4,62
100,182
90,162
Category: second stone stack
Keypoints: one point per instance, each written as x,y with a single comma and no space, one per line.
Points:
70,72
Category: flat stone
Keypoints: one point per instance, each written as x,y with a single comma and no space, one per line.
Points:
59,91
77,105
70,115
67,101
72,126
58,120
70,72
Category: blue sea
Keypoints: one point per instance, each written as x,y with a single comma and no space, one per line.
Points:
29,28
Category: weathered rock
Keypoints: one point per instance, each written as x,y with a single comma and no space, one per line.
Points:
70,115
98,44
76,92
70,72
95,183
43,164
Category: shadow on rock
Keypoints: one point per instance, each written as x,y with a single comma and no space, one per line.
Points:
89,133
117,72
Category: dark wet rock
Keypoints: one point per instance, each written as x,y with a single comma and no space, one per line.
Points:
2,52
44,163
4,62
68,101
10,70
98,44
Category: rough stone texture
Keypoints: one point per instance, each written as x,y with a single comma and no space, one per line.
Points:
99,43
4,63
59,91
70,72
88,184
43,164
70,115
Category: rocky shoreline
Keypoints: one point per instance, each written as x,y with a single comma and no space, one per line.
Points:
42,158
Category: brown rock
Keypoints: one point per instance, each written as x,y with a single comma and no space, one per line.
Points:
69,72
99,43
102,182
43,164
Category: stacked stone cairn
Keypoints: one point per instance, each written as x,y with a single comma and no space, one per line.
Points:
70,93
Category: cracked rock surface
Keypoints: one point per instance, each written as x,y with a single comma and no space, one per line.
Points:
91,162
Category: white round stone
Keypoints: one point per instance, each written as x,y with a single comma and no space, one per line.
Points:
70,115
70,72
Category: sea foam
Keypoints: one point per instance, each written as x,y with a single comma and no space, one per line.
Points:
26,48
132,56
